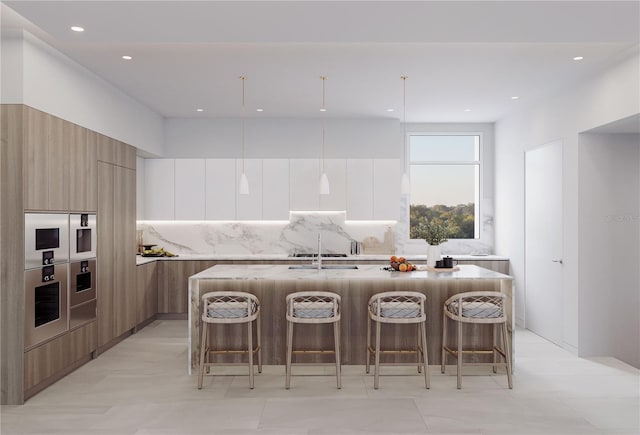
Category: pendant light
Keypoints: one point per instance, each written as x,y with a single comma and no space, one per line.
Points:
244,183
324,180
405,184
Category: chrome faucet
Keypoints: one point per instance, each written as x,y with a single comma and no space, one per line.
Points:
319,257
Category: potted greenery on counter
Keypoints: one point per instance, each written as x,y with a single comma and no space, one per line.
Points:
434,232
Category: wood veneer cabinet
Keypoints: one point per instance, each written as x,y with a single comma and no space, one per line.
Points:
116,251
115,152
173,283
147,292
83,169
47,363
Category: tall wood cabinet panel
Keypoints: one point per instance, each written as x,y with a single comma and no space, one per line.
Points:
106,253
147,291
106,148
125,155
359,189
83,169
275,189
58,161
35,161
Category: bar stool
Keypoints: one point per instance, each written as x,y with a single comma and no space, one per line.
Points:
227,307
482,307
315,307
399,308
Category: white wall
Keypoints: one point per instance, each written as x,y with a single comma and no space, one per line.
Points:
35,74
612,95
289,138
609,179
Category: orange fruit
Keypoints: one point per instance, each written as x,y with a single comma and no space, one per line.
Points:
393,259
403,267
401,260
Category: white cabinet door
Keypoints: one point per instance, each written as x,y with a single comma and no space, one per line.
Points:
189,189
159,189
336,170
359,189
220,189
386,189
275,189
305,183
249,207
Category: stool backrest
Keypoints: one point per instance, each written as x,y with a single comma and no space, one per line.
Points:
313,307
398,307
229,307
476,307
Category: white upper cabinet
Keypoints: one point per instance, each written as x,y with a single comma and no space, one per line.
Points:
220,189
386,189
359,189
304,184
336,170
275,189
159,189
249,207
190,189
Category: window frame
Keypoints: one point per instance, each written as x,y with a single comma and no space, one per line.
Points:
479,163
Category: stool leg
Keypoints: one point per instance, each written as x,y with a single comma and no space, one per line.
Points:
459,355
425,355
336,342
443,356
377,367
418,344
203,351
250,339
368,353
289,344
495,352
507,351
259,333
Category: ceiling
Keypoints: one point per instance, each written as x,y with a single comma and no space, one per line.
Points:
465,60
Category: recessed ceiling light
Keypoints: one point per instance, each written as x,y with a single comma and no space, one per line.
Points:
389,110
199,110
323,110
578,58
467,110
259,110
77,28
125,57
515,97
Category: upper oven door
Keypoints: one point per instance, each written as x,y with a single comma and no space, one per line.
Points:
46,239
83,236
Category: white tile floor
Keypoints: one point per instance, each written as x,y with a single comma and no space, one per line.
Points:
141,387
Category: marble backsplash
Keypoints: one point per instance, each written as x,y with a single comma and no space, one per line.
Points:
300,235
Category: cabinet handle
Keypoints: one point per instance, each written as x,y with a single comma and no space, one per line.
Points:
558,261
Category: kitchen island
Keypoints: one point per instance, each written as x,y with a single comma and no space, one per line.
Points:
271,284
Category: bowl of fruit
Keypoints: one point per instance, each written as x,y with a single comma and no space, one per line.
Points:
401,264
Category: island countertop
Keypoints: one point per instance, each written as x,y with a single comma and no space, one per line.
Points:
271,284
363,272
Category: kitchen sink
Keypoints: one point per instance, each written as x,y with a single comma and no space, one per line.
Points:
326,266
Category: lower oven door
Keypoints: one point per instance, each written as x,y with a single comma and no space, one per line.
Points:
46,304
82,281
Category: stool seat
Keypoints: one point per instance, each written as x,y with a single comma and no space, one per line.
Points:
481,307
313,307
399,308
229,307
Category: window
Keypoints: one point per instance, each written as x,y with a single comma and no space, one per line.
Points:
445,182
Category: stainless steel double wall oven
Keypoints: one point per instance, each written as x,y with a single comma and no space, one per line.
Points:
60,274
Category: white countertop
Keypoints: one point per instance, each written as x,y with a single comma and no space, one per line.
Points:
364,271
417,258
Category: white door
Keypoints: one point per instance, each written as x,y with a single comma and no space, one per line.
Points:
543,242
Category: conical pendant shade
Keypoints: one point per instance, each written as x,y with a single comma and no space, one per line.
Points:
244,185
324,184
